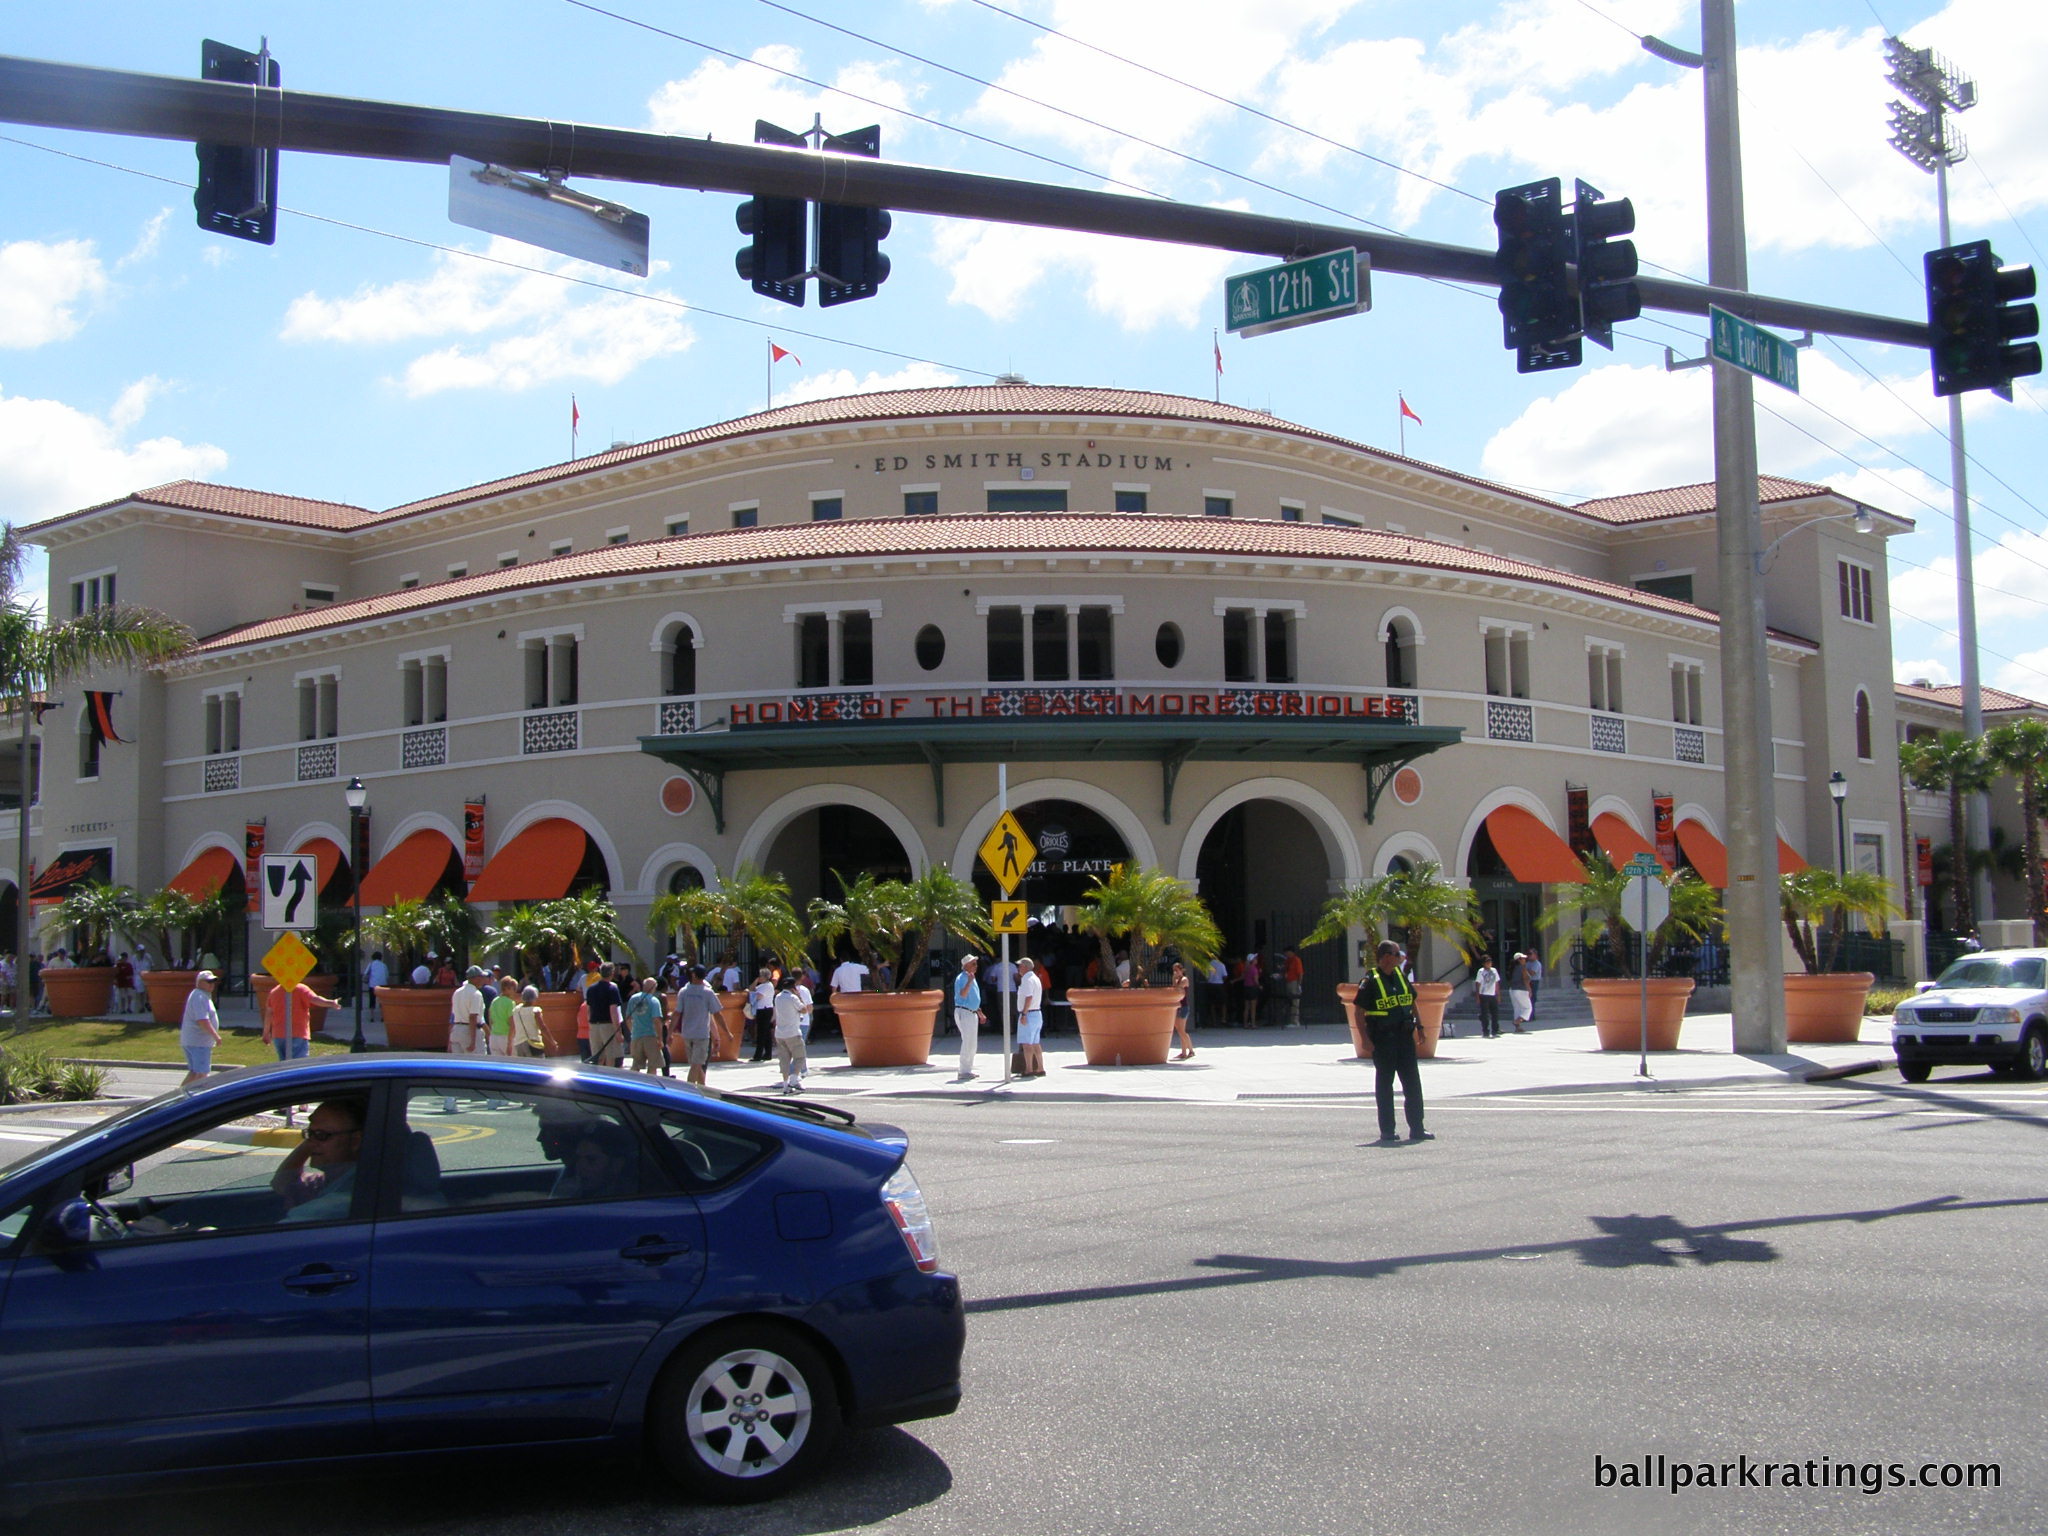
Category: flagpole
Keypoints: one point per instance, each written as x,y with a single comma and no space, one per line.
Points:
1401,422
1216,349
768,379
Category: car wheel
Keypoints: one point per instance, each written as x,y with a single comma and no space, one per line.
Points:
2033,1062
1915,1071
743,1413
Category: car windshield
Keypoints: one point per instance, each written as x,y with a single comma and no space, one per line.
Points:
2025,973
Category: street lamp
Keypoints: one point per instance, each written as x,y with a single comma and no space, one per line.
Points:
1839,788
358,798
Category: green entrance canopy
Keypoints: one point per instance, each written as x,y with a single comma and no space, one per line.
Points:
1380,747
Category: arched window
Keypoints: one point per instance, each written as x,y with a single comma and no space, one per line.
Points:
679,661
1863,725
1399,636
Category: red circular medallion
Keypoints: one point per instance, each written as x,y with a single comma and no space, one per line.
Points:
678,795
1407,786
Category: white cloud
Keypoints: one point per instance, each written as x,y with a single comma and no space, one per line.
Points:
148,241
723,97
132,402
43,288
55,458
842,381
1931,670
562,331
1139,283
2026,674
2010,578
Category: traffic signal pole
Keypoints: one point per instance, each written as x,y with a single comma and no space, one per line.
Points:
73,96
1755,947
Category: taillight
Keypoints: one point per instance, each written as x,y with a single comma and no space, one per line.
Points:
905,1203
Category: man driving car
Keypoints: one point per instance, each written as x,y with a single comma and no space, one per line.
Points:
317,1179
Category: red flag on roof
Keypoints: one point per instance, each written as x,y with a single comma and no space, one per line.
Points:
1408,411
575,415
777,354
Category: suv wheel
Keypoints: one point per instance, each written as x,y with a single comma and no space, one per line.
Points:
743,1412
2033,1063
1915,1071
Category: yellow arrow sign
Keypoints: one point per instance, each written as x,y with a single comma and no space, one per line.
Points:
1006,916
289,962
1007,852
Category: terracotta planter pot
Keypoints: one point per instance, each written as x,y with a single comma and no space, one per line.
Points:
558,1021
167,993
888,1029
1431,999
79,991
262,986
729,1026
1617,1014
1826,1010
416,1018
1347,994
1124,1026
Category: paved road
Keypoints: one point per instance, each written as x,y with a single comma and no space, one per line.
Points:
1238,1318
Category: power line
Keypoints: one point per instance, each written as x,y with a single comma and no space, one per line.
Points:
499,261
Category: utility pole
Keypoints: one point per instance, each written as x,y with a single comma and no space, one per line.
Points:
1748,773
1925,137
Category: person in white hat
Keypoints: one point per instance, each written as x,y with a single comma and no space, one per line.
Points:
199,1032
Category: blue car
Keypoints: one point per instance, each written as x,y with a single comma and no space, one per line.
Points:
459,1255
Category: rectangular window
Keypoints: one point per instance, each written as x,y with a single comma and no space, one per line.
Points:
920,503
813,651
223,723
1006,645
459,570
1094,646
1678,588
1049,645
1603,678
1238,663
551,670
509,559
1131,501
319,707
412,688
91,593
562,547
1687,680
1216,506
827,509
319,596
1855,583
424,688
1507,663
618,535
408,581
1279,646
746,517
856,650
678,527
1048,499
1291,511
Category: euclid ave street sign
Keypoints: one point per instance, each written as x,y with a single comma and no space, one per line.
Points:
1754,349
1298,293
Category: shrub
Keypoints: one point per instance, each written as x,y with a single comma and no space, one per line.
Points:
1883,1000
77,1080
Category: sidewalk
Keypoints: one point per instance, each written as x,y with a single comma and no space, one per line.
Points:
1314,1062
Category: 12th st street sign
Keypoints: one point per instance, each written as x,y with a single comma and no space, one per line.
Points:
1754,349
1298,293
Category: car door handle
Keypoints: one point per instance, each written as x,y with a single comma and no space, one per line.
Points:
653,1249
319,1279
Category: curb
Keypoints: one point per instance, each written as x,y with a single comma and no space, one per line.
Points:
1853,1069
45,1106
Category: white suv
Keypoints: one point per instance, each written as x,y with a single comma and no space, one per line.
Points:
1988,1009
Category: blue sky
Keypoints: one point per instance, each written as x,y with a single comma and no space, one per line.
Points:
356,362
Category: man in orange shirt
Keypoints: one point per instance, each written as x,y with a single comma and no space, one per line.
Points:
1291,973
294,1039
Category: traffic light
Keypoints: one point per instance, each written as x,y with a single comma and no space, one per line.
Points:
1607,266
1539,314
237,190
850,263
776,261
1979,325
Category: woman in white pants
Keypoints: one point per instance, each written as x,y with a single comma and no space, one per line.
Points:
967,1013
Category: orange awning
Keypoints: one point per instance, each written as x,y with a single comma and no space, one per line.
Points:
537,865
205,874
1532,852
1789,862
1709,854
326,859
1620,841
410,871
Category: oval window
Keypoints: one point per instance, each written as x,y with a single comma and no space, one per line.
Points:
1168,645
931,647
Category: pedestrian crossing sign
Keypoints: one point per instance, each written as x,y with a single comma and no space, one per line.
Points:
1007,852
1006,916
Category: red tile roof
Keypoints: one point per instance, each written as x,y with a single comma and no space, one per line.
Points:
1050,534
234,501
1950,696
1681,500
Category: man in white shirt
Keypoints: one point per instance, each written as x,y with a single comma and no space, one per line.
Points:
848,976
1030,1017
1486,989
199,1032
466,1014
423,973
730,980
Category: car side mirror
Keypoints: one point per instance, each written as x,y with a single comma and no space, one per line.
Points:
118,1181
69,1226
1923,986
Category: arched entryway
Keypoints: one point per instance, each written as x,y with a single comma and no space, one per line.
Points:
1508,908
818,846
1265,873
1077,845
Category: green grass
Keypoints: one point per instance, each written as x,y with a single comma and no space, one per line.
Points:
142,1040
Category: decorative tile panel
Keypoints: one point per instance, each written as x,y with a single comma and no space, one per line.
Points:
425,748
1610,733
318,760
1506,721
675,717
1689,746
221,773
554,731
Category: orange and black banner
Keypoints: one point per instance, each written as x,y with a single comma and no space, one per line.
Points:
1923,859
252,863
1667,831
101,706
1578,822
472,839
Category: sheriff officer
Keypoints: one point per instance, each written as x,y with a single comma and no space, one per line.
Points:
1387,999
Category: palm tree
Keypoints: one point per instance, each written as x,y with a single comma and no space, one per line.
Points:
589,925
38,656
893,921
1360,905
1816,904
529,933
1421,901
939,900
1155,912
685,914
756,906
2020,747
1956,763
94,912
1594,910
870,914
